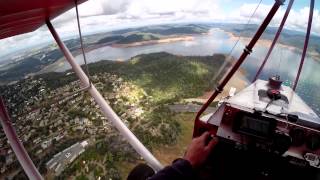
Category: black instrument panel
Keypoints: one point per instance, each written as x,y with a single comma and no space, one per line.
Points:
254,125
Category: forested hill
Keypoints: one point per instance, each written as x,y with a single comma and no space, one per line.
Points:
169,75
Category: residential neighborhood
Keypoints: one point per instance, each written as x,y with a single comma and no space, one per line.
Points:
42,126
51,114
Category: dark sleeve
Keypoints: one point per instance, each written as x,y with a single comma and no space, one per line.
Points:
180,169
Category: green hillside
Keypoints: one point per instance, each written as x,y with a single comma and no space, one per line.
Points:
137,38
165,76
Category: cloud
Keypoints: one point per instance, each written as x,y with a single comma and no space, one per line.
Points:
297,19
104,14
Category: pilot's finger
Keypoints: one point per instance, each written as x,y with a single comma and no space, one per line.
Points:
204,136
212,144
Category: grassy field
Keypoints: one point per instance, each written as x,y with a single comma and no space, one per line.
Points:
166,154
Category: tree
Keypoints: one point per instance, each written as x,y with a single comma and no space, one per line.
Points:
2,158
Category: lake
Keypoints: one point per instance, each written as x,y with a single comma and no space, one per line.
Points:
283,61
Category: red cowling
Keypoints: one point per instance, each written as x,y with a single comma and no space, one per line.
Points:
22,16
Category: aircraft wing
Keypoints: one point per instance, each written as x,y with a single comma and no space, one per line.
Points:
23,16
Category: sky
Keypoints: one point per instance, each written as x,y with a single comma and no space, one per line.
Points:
107,15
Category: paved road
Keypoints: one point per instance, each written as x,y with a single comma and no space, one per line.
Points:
61,160
189,108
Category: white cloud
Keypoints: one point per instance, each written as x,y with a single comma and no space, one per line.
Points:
102,15
297,20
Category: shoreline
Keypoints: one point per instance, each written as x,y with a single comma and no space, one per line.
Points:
152,42
171,39
267,43
60,62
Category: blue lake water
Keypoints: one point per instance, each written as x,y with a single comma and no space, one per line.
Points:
283,61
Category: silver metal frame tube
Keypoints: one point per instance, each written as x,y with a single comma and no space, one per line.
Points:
105,108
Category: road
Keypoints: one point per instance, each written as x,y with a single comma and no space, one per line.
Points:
189,108
61,160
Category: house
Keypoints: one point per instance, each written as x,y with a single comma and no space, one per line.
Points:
46,144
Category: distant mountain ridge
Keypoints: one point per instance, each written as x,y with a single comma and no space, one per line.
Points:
288,37
21,68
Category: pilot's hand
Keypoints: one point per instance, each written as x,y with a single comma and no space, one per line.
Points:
199,149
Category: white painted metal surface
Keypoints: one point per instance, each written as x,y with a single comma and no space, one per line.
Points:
249,98
105,108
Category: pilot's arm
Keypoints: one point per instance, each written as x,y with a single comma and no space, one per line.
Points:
185,168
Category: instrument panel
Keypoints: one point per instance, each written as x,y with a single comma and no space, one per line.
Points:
270,134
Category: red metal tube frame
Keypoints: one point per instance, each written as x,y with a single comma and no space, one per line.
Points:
235,67
276,37
17,146
306,43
